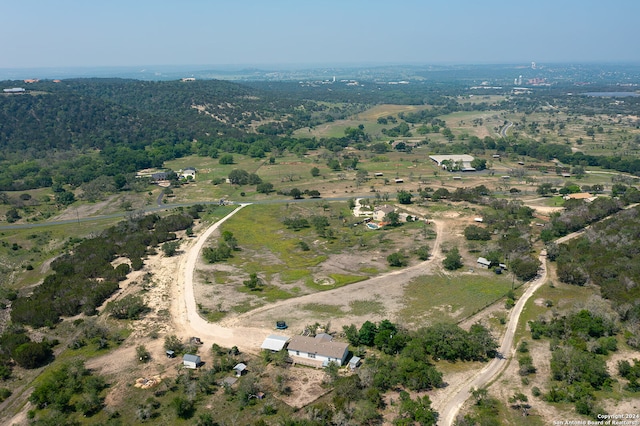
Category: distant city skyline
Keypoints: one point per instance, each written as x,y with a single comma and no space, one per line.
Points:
118,33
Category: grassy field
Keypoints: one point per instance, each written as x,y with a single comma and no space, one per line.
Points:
277,255
438,298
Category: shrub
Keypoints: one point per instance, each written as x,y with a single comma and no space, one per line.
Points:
476,233
397,259
32,354
453,260
129,307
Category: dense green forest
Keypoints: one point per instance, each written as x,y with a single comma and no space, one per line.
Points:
74,131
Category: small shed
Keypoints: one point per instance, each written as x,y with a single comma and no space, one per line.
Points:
274,343
484,263
240,369
170,354
354,362
191,361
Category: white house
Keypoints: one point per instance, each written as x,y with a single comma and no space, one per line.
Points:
380,212
317,351
188,173
463,161
274,343
191,361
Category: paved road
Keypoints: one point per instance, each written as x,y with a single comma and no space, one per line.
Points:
504,129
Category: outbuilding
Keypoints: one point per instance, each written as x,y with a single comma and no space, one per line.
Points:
191,361
484,263
274,343
240,369
354,362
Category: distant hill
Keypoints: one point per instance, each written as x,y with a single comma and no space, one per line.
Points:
132,124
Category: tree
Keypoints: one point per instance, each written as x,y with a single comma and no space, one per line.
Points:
172,343
423,252
65,198
416,411
128,307
315,172
367,333
184,407
479,163
170,248
142,354
404,197
226,159
238,177
264,188
12,215
32,354
393,218
447,133
453,260
525,268
253,283
476,233
545,189
519,401
295,193
397,259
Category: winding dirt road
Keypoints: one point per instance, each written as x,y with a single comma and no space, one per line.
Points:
495,366
234,331
186,317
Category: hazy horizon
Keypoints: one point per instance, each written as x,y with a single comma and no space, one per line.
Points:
285,33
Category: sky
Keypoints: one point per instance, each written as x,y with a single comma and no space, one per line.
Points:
102,33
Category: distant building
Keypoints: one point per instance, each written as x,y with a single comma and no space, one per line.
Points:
14,90
380,212
462,161
188,173
580,196
157,177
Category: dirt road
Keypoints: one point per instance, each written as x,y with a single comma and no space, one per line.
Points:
185,311
237,331
463,391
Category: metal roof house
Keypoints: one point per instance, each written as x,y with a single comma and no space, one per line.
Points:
317,351
191,361
274,343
